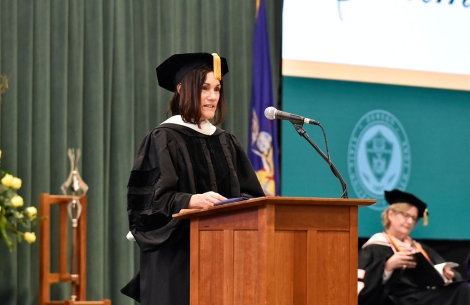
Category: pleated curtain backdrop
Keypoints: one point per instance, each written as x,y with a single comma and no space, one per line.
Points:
82,75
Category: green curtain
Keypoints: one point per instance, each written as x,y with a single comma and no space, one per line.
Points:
82,75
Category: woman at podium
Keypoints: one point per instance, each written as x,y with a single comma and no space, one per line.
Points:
395,269
186,162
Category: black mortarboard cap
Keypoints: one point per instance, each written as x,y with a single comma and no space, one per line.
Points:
172,70
397,196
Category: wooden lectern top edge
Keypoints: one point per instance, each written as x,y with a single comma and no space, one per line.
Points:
188,213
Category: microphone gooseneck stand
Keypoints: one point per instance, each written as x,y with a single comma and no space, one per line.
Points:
301,131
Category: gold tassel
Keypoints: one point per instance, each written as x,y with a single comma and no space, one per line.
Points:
425,217
217,66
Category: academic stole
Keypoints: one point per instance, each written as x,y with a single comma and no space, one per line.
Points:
413,244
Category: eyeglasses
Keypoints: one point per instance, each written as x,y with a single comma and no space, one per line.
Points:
407,216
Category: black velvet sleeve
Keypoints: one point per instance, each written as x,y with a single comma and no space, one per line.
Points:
153,195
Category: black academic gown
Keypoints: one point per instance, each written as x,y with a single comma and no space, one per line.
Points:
173,163
400,288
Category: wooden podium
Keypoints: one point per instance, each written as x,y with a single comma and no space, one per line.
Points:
275,250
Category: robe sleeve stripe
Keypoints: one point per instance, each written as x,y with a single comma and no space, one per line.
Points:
139,202
143,178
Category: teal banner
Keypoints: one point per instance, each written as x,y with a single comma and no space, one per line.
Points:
382,137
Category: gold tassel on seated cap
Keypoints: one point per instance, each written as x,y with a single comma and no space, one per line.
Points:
425,217
217,66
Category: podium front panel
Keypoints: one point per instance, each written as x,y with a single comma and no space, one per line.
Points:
275,254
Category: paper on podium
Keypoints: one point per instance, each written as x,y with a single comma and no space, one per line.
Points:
226,201
231,200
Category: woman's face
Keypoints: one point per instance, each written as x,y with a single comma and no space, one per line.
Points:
210,95
401,223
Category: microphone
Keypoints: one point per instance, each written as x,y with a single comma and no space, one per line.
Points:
272,113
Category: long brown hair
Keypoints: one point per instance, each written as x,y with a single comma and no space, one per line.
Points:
187,102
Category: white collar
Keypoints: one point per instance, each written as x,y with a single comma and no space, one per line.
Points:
206,127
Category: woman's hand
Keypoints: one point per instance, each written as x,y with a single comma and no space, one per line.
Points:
200,201
400,260
448,273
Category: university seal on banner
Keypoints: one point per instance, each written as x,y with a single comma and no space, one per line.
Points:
379,156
